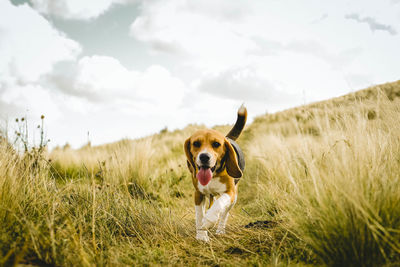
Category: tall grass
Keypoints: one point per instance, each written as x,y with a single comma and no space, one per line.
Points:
321,187
339,192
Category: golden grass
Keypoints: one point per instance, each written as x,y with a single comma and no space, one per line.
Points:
321,187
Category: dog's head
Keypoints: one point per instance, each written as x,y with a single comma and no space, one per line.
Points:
208,151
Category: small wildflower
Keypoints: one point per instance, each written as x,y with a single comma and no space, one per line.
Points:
16,120
19,134
22,119
42,117
38,126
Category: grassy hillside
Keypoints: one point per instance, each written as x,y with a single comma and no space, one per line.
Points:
321,187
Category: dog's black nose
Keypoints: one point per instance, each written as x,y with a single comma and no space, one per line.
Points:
204,158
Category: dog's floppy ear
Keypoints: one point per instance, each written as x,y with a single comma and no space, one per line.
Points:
189,156
232,165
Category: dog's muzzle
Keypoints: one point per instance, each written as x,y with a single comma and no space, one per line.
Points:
204,158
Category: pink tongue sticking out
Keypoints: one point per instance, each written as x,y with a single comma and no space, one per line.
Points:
204,175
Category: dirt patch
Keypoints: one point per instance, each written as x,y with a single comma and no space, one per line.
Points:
261,224
234,250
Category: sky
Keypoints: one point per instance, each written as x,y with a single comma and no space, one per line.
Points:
103,70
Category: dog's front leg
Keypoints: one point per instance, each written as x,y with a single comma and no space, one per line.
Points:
219,207
200,206
224,219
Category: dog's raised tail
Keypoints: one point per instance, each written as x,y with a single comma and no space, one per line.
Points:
239,124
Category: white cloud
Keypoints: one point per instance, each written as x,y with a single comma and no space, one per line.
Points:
41,74
372,23
113,102
289,52
242,84
208,39
32,99
29,49
105,79
26,54
75,9
277,81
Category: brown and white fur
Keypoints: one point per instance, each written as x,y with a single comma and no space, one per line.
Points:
211,149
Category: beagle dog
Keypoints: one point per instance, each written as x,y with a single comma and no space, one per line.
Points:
216,164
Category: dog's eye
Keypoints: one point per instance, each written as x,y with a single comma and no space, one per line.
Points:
216,144
196,144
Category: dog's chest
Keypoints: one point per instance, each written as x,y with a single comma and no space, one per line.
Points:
214,187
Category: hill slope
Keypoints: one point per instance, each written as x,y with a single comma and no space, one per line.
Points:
321,187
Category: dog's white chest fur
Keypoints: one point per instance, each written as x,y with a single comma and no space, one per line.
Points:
214,187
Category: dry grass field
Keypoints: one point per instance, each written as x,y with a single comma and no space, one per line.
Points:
322,187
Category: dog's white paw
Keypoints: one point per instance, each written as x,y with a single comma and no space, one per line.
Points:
202,235
220,231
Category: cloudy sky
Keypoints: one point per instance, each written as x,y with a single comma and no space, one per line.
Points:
128,68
